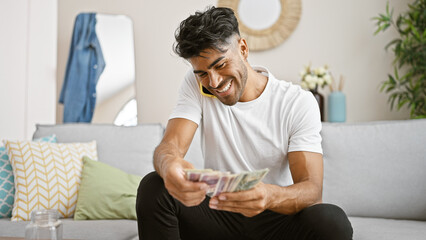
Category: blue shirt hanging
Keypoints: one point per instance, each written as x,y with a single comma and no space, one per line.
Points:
84,67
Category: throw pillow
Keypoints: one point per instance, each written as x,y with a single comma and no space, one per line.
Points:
106,192
47,175
7,186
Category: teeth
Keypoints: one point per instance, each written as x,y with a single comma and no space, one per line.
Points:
226,88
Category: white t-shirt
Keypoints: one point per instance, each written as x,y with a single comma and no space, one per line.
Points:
256,134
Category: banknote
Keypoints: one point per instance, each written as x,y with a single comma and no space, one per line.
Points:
195,174
211,178
220,182
249,179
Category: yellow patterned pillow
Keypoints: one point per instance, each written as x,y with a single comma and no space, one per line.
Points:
47,175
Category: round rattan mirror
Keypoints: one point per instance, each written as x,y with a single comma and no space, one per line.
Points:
267,23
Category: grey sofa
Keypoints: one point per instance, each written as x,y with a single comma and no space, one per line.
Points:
375,171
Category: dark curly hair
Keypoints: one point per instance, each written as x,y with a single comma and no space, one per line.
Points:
210,29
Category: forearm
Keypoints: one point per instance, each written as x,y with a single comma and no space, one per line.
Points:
164,154
292,199
170,165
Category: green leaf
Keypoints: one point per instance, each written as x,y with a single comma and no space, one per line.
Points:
395,41
391,79
390,89
387,7
395,69
377,31
415,32
401,103
386,26
392,99
375,18
383,86
384,17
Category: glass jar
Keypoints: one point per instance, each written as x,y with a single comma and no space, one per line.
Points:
45,224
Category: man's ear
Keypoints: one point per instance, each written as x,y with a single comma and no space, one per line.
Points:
243,47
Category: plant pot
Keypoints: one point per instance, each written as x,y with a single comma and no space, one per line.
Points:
320,99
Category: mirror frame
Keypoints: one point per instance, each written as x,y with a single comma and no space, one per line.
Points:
274,35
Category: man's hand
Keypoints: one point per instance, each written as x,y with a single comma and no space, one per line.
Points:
249,203
187,192
169,162
307,172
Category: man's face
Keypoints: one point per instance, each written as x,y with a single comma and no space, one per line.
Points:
224,74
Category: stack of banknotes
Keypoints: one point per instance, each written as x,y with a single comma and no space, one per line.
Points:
219,182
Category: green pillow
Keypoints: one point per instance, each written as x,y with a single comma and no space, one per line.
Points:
106,192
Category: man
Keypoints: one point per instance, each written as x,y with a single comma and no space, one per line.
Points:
248,120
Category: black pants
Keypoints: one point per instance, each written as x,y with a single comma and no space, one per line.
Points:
160,216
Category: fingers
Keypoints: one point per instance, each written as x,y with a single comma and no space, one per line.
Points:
189,198
244,211
187,192
222,205
176,179
248,209
180,183
249,203
243,196
188,186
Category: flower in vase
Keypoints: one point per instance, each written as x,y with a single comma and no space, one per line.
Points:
312,78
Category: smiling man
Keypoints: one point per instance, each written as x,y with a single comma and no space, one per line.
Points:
249,120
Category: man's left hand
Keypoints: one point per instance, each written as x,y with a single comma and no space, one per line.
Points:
249,203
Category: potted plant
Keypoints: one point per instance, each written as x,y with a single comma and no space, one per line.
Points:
407,86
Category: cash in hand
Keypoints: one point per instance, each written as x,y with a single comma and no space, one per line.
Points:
219,182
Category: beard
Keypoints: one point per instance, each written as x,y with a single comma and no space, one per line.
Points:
239,89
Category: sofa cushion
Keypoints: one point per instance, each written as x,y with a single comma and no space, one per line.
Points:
88,229
47,175
7,188
127,148
7,182
117,188
387,229
376,169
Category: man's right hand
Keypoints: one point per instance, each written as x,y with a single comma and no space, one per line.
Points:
169,162
187,192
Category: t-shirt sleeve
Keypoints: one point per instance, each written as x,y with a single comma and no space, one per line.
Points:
305,125
189,101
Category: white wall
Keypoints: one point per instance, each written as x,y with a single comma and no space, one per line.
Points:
27,66
339,33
